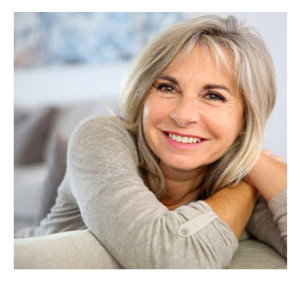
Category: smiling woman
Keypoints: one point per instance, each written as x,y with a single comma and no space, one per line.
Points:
175,181
238,69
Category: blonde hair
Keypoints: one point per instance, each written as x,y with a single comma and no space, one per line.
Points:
252,71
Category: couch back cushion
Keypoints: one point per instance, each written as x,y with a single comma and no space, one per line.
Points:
32,128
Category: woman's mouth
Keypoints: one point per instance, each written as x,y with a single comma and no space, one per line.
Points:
182,141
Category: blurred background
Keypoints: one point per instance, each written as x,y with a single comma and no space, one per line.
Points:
71,65
68,57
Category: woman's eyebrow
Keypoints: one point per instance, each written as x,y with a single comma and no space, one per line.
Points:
216,86
168,78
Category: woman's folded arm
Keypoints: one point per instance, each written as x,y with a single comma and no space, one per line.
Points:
116,206
268,222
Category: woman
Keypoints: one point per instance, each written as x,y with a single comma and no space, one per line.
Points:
175,181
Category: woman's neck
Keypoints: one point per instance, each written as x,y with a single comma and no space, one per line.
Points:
181,186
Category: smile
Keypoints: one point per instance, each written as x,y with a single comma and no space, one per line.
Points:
183,139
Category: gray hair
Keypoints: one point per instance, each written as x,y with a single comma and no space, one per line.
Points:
254,75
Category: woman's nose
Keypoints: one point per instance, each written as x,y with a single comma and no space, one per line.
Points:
186,112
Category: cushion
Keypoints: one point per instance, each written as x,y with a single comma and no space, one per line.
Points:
253,254
56,171
31,130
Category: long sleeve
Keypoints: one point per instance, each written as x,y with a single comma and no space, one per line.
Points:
268,222
127,218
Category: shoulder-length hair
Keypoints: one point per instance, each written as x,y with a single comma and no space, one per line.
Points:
251,67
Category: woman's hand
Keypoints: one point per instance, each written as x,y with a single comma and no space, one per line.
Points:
269,175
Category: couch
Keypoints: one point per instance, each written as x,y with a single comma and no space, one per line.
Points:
41,137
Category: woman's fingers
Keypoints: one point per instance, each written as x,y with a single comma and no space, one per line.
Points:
266,152
269,153
276,157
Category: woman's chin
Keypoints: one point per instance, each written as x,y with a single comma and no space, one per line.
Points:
183,167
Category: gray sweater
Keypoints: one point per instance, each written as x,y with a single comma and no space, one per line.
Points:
104,192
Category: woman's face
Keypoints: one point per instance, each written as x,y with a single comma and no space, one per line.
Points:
193,113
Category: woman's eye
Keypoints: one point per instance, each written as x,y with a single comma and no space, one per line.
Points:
166,88
215,96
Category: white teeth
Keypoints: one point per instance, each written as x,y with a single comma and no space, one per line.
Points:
184,139
179,138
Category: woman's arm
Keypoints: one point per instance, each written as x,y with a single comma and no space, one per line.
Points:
268,222
126,217
234,205
269,175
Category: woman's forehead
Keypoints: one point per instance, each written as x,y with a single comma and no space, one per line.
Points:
221,60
